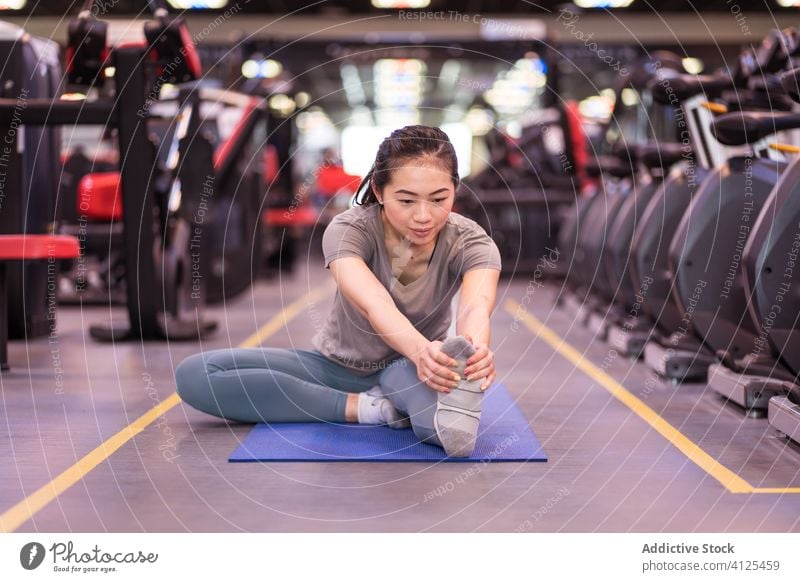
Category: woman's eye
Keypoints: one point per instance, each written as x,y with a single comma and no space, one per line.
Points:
406,202
440,200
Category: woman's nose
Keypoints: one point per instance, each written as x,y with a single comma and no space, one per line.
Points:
422,213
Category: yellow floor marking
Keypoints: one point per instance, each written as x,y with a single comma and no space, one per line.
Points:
730,480
31,505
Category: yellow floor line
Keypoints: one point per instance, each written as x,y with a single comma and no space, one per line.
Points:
776,490
730,480
31,505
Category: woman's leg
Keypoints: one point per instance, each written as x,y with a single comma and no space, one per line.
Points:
450,420
268,385
401,386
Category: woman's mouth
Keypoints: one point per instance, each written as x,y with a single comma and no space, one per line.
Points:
422,233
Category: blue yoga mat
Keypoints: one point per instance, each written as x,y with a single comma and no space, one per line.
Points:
504,435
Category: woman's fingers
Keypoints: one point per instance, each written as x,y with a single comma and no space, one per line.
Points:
489,380
444,360
436,376
480,373
481,351
473,370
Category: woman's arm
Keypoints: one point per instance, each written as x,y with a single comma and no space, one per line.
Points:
475,305
358,285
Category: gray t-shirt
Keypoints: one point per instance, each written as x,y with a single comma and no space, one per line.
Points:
347,337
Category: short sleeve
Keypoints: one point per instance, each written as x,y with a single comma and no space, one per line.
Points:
345,237
479,251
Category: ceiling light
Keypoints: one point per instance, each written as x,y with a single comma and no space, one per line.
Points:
603,3
401,3
692,66
197,4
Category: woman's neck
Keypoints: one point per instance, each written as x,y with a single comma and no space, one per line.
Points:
393,237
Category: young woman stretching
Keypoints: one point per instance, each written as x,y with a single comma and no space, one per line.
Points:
383,356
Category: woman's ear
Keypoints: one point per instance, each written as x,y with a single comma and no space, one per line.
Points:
375,192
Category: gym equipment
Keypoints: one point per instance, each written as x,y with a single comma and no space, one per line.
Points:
29,163
628,331
598,230
765,378
161,208
680,353
518,198
42,248
504,436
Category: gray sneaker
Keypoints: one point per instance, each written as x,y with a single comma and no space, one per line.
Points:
458,413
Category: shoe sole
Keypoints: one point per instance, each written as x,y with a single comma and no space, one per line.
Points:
456,420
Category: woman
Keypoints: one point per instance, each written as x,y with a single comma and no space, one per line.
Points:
398,258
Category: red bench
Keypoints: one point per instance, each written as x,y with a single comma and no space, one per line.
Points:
28,247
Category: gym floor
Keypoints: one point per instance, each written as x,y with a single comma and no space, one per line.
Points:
86,448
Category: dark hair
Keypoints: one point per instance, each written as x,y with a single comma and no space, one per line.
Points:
404,144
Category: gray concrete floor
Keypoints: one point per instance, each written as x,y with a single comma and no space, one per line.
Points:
608,470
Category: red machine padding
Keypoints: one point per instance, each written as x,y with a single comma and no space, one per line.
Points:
16,247
578,138
100,196
192,58
223,150
302,216
332,180
271,164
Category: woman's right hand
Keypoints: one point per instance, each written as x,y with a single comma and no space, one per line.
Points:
435,368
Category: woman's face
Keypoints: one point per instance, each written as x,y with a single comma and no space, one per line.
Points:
417,200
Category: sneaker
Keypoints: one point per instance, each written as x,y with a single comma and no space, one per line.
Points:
387,413
458,412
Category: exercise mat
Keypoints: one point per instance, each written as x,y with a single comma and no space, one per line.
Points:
503,436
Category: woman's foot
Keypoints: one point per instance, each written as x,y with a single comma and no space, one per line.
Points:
458,413
375,408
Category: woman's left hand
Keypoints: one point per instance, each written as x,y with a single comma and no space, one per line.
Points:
481,365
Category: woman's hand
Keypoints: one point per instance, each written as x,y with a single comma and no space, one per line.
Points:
480,365
435,368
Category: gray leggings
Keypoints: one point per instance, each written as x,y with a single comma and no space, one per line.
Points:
292,385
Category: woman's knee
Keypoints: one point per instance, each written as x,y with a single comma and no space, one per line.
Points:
402,371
